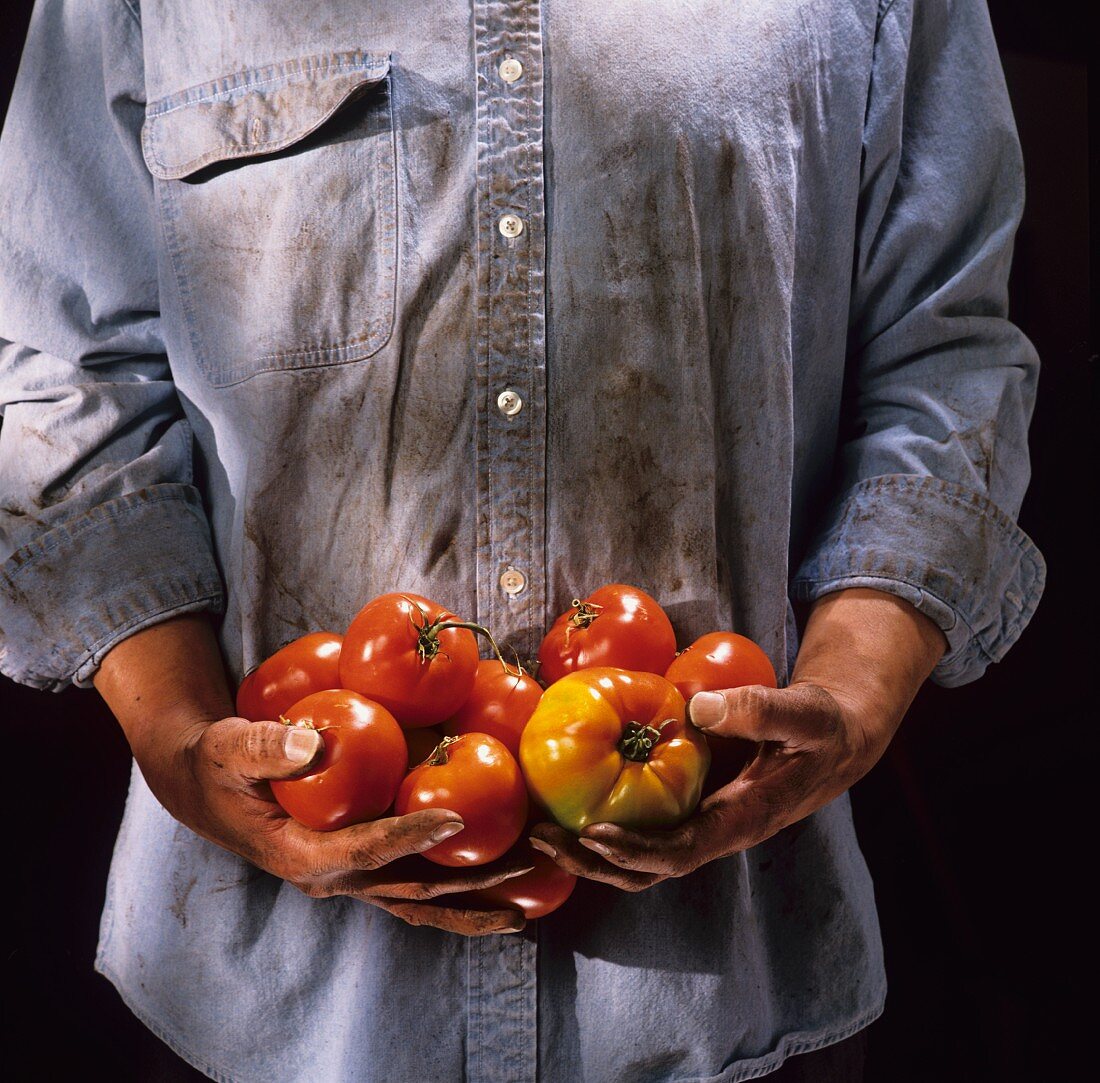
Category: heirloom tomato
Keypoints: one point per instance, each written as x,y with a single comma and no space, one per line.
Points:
310,664
477,777
499,704
360,770
537,893
411,655
610,746
617,626
715,661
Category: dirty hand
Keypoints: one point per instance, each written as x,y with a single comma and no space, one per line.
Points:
210,770
863,657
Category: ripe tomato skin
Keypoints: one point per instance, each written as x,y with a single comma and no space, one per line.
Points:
381,659
478,778
310,664
617,625
574,756
360,769
715,661
536,893
499,704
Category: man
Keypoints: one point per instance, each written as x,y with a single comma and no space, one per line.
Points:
496,303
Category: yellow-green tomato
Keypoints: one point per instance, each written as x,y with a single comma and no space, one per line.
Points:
611,745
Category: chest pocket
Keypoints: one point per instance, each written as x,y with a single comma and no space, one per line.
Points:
277,192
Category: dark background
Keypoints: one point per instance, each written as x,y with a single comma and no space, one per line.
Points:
973,824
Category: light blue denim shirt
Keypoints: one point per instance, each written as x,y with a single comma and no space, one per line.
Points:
266,270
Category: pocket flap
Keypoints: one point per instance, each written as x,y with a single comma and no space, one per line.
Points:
254,112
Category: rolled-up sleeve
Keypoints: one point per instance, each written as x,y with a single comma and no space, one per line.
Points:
101,529
940,386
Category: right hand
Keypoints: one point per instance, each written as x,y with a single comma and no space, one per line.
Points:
216,782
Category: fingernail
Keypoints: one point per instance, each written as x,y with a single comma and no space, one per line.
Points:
301,744
520,872
446,831
599,847
515,927
543,847
706,708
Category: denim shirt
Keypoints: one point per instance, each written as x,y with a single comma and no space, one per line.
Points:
267,271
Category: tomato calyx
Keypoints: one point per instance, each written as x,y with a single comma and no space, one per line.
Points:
584,613
439,754
427,636
637,740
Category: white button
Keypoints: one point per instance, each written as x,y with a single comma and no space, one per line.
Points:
509,403
510,69
513,581
510,225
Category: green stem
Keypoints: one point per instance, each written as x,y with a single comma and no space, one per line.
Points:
637,740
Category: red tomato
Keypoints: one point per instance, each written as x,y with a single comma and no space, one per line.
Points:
477,777
411,655
499,704
310,664
617,626
422,743
360,769
536,893
715,661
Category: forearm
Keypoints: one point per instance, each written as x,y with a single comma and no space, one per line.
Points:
871,651
166,682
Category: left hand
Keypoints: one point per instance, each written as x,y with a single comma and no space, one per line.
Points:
863,657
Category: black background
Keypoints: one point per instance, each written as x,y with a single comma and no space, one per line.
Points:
973,824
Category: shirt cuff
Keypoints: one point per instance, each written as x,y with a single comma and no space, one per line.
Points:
70,595
947,550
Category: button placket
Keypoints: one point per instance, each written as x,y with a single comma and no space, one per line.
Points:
501,1038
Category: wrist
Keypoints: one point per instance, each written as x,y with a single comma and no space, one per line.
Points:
872,651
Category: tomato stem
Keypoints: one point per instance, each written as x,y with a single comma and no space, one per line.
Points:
439,754
428,644
637,740
584,613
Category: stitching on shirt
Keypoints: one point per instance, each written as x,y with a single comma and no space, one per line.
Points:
233,150
307,67
132,7
884,7
27,556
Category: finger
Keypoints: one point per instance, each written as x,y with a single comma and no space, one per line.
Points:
453,920
362,885
674,852
567,853
791,715
262,750
364,847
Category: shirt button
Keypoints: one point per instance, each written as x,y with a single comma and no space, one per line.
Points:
510,69
509,403
513,581
510,225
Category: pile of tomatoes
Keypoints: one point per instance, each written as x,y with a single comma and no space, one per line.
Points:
413,718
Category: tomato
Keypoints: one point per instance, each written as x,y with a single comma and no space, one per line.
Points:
617,626
477,777
360,769
720,660
499,704
610,746
715,661
411,655
536,893
310,664
422,743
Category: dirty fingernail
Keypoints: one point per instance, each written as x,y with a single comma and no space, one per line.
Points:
445,831
515,927
520,872
300,745
599,847
543,847
706,708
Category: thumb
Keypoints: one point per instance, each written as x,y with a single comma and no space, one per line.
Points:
267,750
758,713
